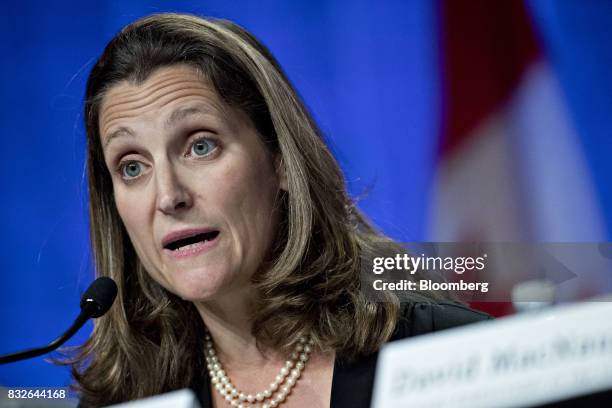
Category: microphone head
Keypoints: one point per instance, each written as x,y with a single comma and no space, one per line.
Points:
99,297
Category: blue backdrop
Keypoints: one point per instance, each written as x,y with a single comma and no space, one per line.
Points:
367,69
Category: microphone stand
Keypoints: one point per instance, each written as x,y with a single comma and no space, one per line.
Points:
34,352
96,301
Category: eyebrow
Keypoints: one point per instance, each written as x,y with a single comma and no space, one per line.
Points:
175,116
182,113
122,131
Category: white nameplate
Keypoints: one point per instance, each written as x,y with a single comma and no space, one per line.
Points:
184,398
517,361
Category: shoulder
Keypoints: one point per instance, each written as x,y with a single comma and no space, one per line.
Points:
421,318
353,379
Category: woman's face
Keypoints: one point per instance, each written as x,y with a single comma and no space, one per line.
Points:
193,182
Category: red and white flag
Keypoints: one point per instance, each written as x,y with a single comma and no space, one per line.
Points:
510,164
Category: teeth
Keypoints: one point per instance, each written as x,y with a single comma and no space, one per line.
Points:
186,247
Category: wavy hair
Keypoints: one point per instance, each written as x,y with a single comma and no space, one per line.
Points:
151,341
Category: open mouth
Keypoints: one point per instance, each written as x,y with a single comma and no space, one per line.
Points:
191,241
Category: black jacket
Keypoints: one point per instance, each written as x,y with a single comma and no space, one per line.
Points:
352,381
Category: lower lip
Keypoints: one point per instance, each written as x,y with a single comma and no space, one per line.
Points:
192,250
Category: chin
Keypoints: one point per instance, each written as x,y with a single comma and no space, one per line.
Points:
197,285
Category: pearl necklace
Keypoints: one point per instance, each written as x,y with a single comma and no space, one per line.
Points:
271,397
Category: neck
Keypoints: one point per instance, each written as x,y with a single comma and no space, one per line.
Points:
229,323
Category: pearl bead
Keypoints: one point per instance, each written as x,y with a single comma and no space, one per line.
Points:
286,379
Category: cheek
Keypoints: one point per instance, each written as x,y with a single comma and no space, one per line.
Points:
133,216
249,190
245,195
126,211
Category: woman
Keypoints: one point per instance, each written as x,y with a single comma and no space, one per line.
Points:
222,216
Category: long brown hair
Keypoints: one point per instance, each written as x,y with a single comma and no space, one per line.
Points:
151,340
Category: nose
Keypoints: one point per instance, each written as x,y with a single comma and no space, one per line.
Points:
172,194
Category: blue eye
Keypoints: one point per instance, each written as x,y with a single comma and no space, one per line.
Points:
203,147
131,169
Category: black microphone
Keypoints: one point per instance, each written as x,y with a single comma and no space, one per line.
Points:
96,301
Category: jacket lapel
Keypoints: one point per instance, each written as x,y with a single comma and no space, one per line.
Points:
352,382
